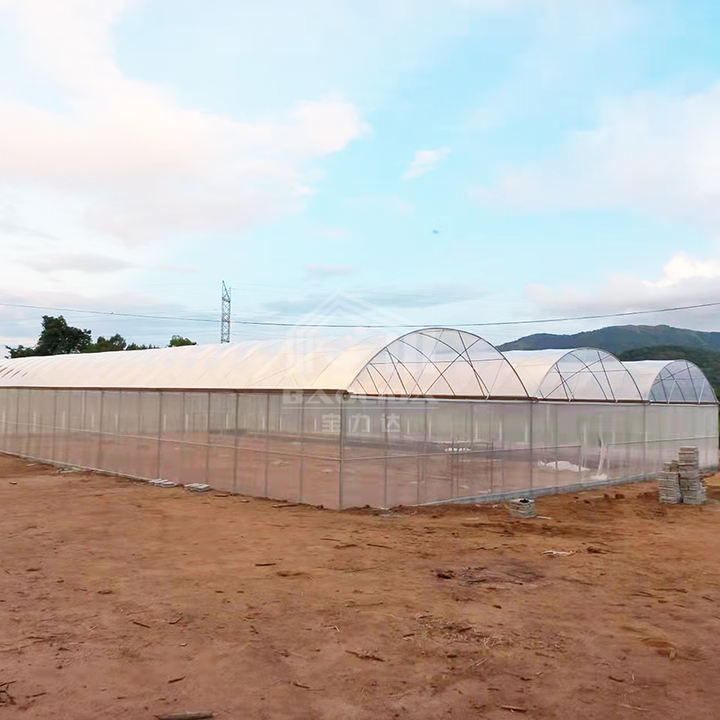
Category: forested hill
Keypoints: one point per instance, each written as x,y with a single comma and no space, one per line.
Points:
707,360
621,338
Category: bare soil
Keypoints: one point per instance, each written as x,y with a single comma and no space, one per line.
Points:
121,600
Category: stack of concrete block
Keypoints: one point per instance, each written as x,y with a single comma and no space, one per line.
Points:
691,481
522,508
159,482
669,484
197,487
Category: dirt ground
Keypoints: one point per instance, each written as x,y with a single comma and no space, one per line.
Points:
121,600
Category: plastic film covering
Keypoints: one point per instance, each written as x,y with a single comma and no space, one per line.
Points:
295,363
439,362
582,374
341,450
434,361
671,381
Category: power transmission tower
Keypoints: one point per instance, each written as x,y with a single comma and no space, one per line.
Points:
225,319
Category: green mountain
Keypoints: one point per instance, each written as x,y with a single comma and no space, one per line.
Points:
707,360
620,338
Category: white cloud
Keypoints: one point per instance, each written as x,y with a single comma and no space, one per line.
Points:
93,161
145,165
685,281
425,161
82,262
655,153
682,268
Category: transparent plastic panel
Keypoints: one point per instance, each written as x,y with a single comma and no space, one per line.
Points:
221,468
195,439
11,431
252,425
449,427
125,440
111,447
171,435
653,451
252,439
438,480
35,424
4,416
286,414
251,469
23,421
222,433
588,374
77,450
512,471
593,428
284,476
708,421
322,424
148,444
440,362
403,485
545,451
223,419
681,381
478,473
88,455
21,411
285,446
62,424
321,481
364,482
365,428
404,424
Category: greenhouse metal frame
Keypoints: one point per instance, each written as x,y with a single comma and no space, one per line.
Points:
435,415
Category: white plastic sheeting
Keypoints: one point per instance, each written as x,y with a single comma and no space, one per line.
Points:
308,363
671,381
580,374
432,361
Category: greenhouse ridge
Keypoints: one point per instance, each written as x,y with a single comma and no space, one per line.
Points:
434,415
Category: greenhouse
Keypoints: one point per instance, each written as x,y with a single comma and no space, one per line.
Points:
435,415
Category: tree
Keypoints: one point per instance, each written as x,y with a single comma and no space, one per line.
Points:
59,338
112,344
179,341
21,351
135,346
56,338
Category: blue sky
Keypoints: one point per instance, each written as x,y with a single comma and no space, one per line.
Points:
402,162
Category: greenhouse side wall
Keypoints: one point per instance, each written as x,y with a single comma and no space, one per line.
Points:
346,451
417,451
261,444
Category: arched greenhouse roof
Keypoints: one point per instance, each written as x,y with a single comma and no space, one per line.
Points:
671,381
289,364
439,361
443,362
433,361
579,374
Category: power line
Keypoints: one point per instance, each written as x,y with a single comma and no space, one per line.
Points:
268,323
